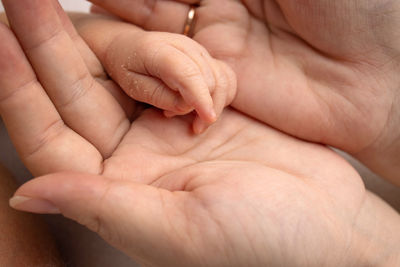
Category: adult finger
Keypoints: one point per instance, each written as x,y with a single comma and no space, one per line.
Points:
92,62
135,218
43,141
99,10
83,104
160,15
94,66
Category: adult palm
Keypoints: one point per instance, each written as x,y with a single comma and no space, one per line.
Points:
243,194
324,71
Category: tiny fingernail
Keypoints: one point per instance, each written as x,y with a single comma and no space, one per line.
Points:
199,127
169,114
212,115
33,205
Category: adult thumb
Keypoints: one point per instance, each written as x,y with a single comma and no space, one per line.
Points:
133,217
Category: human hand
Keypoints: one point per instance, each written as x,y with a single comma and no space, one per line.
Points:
242,194
320,70
169,71
57,103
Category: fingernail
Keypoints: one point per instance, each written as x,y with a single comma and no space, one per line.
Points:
199,127
169,114
33,205
212,115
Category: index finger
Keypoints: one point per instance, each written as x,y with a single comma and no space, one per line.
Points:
84,105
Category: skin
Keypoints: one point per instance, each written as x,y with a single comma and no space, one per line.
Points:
24,239
140,62
242,194
231,197
323,71
143,69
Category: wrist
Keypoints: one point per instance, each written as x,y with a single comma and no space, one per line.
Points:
376,233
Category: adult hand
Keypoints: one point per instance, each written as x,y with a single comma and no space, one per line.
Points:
324,71
242,194
61,111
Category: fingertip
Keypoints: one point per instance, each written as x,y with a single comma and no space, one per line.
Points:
212,115
181,107
95,9
169,114
199,125
33,205
208,115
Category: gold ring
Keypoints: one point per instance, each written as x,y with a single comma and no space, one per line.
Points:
189,25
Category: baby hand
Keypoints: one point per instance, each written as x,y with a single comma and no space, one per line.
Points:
173,73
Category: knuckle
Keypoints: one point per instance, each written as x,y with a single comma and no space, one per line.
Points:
189,71
53,131
227,82
52,39
10,94
157,96
77,90
181,106
148,10
152,95
153,52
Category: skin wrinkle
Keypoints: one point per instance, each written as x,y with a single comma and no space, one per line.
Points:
14,92
347,99
188,213
109,50
222,21
299,151
226,153
227,250
339,11
380,13
80,92
158,91
177,232
190,222
96,224
121,125
165,152
52,132
366,237
218,223
57,33
79,88
382,131
352,237
271,47
152,62
150,5
231,59
158,181
227,141
176,153
296,35
213,86
250,240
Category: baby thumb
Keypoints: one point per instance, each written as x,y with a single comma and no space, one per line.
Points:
130,216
